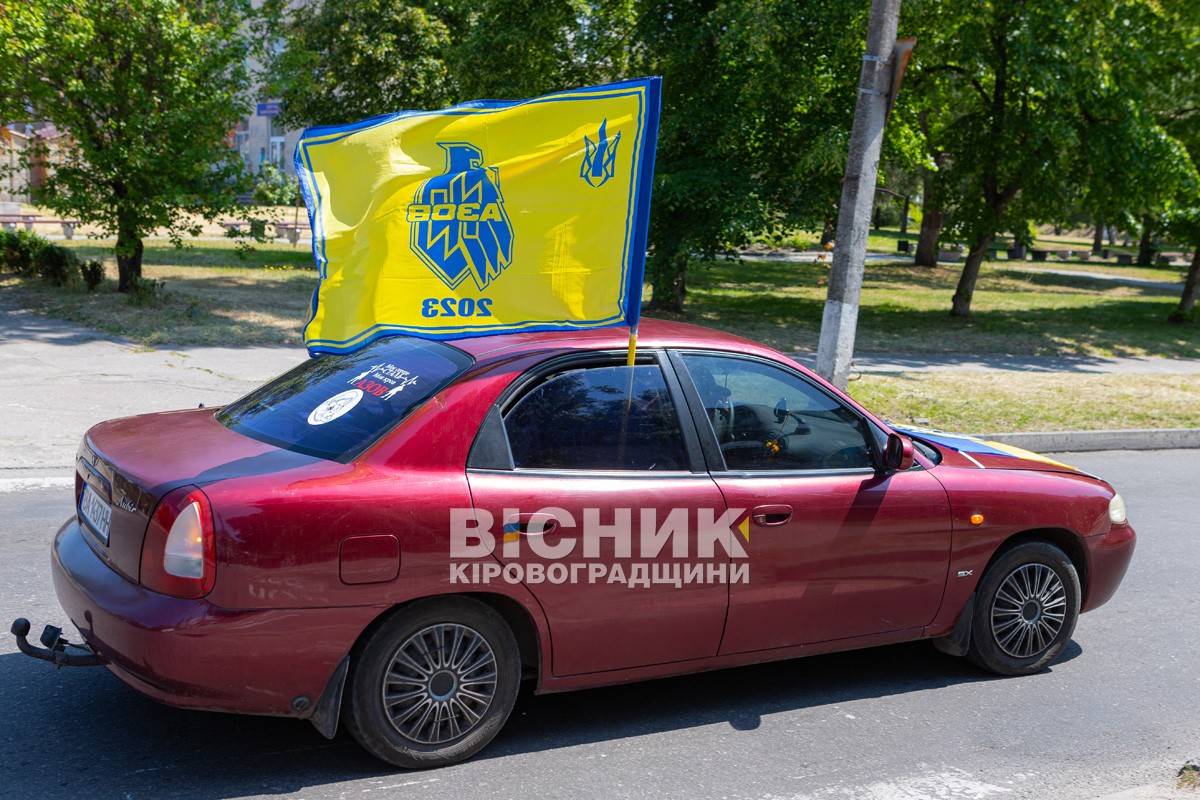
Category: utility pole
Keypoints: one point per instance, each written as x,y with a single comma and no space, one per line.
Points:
840,319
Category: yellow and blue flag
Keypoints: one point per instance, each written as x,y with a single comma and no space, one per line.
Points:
488,217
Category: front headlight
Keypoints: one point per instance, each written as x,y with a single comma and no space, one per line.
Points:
1116,509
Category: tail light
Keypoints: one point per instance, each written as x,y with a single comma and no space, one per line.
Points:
179,556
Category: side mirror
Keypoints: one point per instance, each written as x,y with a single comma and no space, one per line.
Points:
899,452
781,410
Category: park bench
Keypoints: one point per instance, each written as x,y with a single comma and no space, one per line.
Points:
241,226
11,221
291,230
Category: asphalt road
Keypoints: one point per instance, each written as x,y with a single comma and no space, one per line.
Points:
1119,710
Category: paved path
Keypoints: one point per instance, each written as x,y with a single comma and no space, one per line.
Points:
59,379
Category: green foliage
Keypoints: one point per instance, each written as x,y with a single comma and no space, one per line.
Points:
92,272
1038,105
148,90
19,249
274,187
757,104
513,49
148,292
56,265
346,60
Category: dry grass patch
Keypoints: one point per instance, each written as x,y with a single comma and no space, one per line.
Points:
1001,402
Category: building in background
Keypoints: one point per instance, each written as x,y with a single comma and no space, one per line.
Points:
259,140
17,179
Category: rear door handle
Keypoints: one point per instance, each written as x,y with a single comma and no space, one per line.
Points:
535,524
770,516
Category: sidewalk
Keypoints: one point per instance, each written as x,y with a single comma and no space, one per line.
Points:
58,379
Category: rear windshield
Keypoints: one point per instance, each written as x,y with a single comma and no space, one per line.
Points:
335,406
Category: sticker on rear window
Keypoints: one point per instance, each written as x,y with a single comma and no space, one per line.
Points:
335,407
383,380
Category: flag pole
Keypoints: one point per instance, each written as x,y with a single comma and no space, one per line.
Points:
633,329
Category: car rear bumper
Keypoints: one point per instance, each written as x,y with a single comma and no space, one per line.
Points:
192,654
1108,559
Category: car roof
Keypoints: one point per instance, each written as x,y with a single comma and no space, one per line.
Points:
652,333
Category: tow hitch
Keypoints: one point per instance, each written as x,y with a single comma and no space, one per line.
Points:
54,647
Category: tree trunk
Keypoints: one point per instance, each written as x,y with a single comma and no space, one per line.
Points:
828,232
1191,288
931,226
927,241
129,255
961,302
669,283
1145,256
1098,237
904,217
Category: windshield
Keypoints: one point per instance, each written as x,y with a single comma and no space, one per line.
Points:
335,406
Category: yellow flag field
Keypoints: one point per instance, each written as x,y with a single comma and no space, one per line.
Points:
488,217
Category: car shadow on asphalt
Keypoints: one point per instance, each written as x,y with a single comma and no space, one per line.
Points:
84,729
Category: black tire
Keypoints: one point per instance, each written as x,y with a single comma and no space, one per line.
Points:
1026,608
437,661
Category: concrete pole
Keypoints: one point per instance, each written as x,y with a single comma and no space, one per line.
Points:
838,324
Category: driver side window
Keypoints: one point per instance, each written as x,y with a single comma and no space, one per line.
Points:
765,418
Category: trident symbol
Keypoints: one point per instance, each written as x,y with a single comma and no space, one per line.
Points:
599,158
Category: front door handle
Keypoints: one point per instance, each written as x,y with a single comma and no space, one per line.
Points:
770,516
535,524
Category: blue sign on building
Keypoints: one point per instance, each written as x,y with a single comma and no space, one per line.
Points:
268,109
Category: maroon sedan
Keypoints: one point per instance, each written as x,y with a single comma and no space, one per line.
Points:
397,537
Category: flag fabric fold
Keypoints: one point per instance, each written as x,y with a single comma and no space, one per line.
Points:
488,217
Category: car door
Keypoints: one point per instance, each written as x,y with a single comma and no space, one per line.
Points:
608,513
837,547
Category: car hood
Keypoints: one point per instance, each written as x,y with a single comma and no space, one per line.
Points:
988,454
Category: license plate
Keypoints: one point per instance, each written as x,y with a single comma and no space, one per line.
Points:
96,512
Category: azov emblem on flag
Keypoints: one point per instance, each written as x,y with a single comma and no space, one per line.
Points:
458,223
599,157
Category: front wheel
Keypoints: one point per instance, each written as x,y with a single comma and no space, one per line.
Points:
1026,609
434,683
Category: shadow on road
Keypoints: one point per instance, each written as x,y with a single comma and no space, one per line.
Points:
83,729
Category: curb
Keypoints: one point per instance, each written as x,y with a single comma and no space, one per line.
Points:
1091,441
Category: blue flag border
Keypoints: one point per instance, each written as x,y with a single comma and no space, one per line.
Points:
649,92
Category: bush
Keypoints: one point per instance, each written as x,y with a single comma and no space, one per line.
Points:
147,292
18,251
56,265
275,188
93,273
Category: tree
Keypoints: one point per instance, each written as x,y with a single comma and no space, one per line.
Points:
513,49
1175,98
347,60
757,105
1029,83
146,92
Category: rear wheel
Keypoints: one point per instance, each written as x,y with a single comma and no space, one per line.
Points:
434,684
1026,609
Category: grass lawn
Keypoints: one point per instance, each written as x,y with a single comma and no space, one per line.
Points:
905,309
214,296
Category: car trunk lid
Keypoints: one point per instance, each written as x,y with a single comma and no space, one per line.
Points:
125,466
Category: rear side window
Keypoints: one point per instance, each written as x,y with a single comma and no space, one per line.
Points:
599,418
335,406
